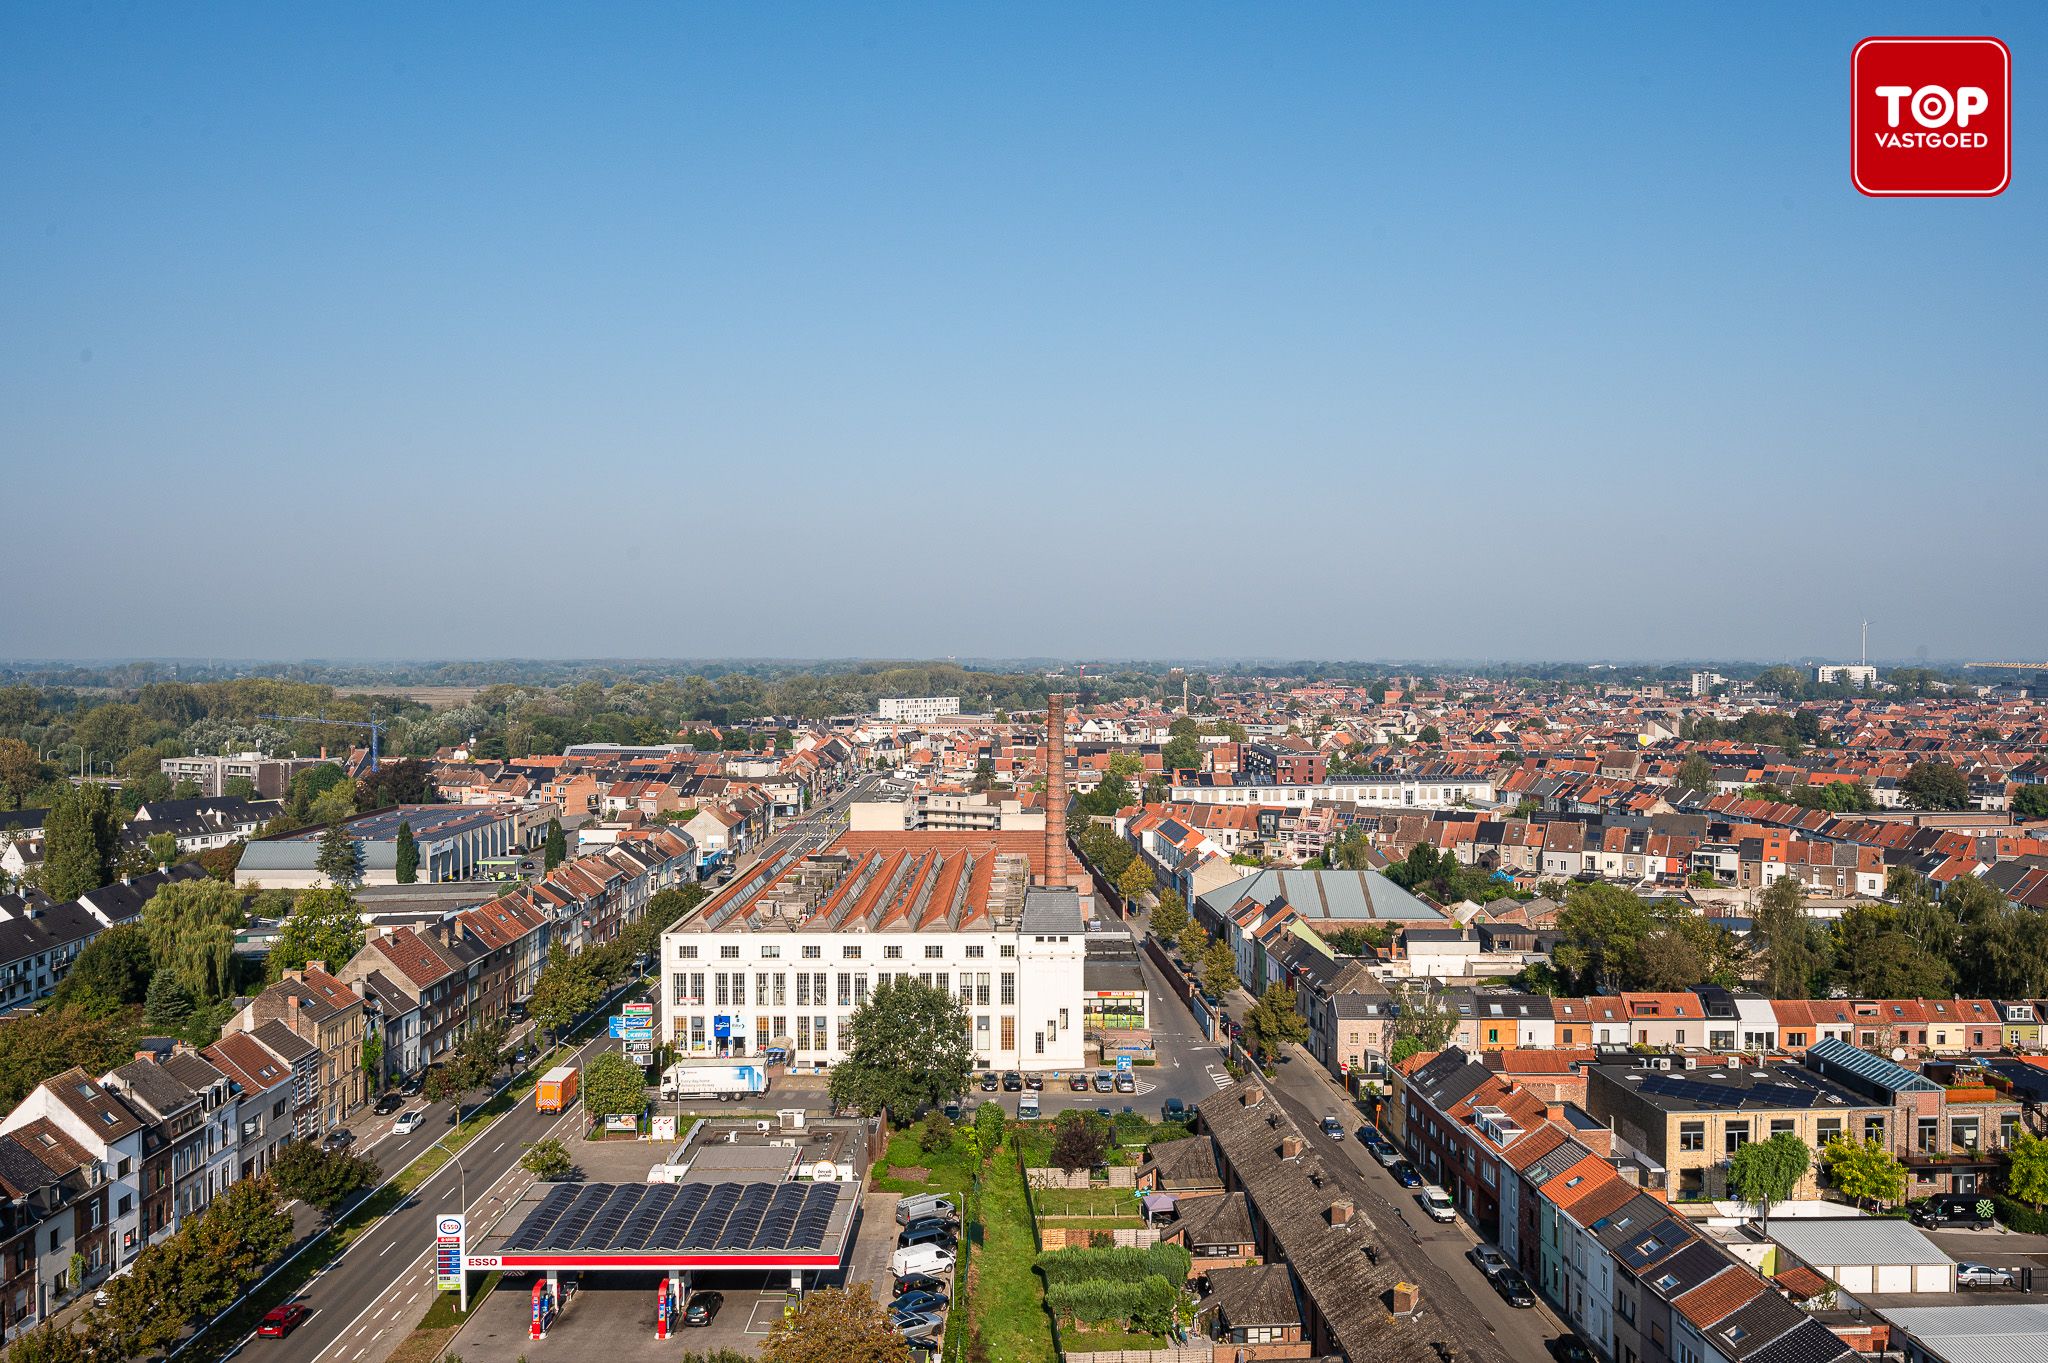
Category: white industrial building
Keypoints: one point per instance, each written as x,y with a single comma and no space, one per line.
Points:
1387,791
787,955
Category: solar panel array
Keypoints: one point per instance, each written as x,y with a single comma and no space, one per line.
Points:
682,1218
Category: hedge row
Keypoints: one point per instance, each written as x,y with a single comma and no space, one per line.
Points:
1118,1264
1143,1305
2018,1216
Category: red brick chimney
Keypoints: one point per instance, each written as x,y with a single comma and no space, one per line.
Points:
1055,858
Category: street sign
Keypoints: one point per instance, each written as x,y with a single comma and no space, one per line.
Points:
450,1232
1123,1062
635,1034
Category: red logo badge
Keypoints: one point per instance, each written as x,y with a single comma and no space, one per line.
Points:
1931,117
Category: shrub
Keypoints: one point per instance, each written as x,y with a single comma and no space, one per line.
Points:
937,1135
1120,1263
2018,1216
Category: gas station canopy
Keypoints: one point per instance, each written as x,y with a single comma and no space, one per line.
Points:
687,1226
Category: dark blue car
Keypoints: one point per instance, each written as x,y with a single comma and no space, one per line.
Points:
919,1301
1405,1175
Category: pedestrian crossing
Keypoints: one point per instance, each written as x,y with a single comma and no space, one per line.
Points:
1219,1076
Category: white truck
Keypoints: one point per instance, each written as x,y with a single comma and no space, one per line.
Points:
724,1081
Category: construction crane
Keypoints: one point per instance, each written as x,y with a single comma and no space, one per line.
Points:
2014,667
375,726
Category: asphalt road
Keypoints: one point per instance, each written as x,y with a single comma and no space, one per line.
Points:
373,1295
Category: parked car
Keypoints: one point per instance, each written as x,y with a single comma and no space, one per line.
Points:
341,1138
931,1233
1126,1082
1437,1203
920,1301
1173,1110
1103,1083
702,1308
408,1122
1369,1135
1333,1128
1034,1082
923,1347
1950,1211
1983,1275
919,1282
952,1110
1571,1349
989,1081
1013,1082
916,1322
927,1223
1513,1288
390,1103
1078,1083
1488,1260
1404,1174
280,1321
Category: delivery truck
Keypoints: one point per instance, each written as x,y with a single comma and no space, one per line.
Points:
556,1090
725,1081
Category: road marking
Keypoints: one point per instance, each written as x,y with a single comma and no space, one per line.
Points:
500,1146
387,1249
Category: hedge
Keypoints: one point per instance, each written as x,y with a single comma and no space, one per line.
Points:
1143,1305
1117,1264
2018,1216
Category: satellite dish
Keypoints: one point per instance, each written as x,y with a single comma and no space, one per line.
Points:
1898,1052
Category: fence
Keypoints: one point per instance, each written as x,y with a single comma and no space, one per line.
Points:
1120,1176
957,1330
1181,1353
1083,1237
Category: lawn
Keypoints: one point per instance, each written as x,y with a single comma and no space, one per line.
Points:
1007,1303
950,1169
1078,1202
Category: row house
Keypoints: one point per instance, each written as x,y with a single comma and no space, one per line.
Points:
265,1097
426,985
327,1015
75,1108
52,1207
190,1134
1914,1028
1350,1015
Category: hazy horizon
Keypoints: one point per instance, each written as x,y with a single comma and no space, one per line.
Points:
1486,332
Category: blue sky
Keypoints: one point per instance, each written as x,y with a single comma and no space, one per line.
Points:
1311,331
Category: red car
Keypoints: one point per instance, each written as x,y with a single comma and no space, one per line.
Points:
282,1320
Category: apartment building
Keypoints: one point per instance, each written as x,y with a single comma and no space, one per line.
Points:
917,709
1415,791
785,957
271,777
326,1014
74,1107
264,1094
191,1136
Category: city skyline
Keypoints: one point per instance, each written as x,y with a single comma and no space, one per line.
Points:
1319,334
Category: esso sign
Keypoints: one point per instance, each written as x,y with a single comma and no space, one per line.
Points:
483,1261
1931,117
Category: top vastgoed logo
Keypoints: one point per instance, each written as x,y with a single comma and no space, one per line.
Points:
1931,117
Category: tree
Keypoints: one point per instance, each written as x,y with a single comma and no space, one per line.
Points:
191,929
1423,1021
112,972
167,1006
2031,801
910,1051
334,805
243,1230
1766,1172
1079,1140
563,992
52,1343
21,771
1274,1020
1192,941
1125,763
373,1056
836,1325
408,781
557,845
1794,960
935,1136
1430,734
984,775
1936,785
989,1122
339,859
81,842
547,1160
322,1179
1169,916
238,788
163,848
2026,1176
614,1086
1696,773
1157,792
1110,794
309,784
1864,1172
1218,970
50,1042
1603,928
325,925
1136,879
1181,753
408,855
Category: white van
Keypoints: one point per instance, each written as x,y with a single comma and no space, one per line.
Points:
921,1259
1027,1107
1437,1203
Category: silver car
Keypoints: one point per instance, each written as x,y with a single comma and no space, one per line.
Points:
1487,1259
1983,1275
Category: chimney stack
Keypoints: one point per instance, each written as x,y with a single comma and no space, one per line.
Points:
1340,1212
1055,870
1290,1147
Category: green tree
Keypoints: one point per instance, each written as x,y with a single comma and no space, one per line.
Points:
1157,792
563,992
1135,880
1183,727
557,845
2031,801
325,925
373,1057
339,858
833,1325
1602,927
1696,773
408,855
614,1086
1274,1021
191,927
322,1179
163,848
1768,1172
547,1160
21,771
334,805
1218,970
309,784
43,1044
1181,753
168,1005
2026,1174
1192,941
910,1051
989,1122
1865,1172
1430,734
53,1342
112,972
1169,916
1125,763
1936,785
935,1134
984,775
1794,960
81,842
1423,1021
238,788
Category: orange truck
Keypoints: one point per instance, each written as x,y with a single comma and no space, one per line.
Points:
556,1090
